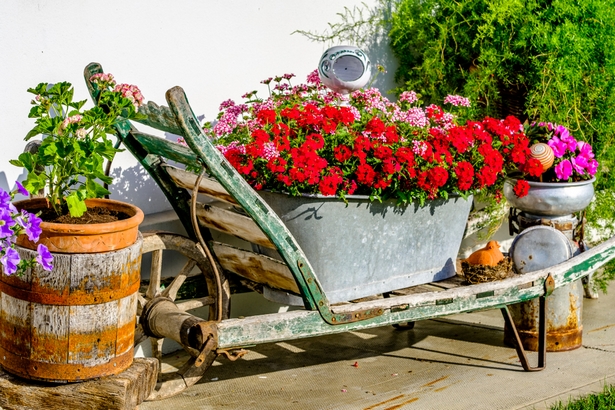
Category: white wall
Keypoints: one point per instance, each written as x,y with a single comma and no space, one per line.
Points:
215,50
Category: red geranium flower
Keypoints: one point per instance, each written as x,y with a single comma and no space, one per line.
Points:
521,188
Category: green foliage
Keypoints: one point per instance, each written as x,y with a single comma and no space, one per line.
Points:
69,161
542,60
601,401
548,60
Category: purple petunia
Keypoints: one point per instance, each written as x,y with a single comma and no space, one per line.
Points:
44,258
5,198
10,260
21,189
6,223
32,226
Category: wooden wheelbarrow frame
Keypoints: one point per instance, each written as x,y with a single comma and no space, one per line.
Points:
259,224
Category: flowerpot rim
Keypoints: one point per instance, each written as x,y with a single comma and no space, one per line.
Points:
553,184
135,213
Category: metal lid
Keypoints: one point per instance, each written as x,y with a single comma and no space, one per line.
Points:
539,247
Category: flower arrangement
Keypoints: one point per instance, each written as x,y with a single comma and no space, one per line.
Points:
14,223
306,140
556,157
69,161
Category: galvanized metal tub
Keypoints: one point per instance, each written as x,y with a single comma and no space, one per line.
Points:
364,248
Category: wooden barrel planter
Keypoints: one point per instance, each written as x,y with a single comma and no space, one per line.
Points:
74,323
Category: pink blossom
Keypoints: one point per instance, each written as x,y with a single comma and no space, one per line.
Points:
131,92
585,149
579,164
313,78
457,100
408,96
563,170
270,151
592,167
419,147
226,104
558,147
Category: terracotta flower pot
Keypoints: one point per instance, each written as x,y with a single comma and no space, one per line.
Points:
85,238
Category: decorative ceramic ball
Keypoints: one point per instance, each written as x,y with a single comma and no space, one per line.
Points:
543,153
344,69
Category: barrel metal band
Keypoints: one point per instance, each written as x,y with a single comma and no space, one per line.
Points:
65,372
77,298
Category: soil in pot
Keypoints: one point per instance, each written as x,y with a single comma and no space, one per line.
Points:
94,215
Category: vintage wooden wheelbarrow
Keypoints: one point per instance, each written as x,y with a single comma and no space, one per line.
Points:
236,209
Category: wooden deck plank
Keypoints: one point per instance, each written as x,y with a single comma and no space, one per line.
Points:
124,391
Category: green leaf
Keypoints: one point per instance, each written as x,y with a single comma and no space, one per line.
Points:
95,190
32,133
25,160
76,205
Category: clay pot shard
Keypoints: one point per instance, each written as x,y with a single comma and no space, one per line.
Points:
490,255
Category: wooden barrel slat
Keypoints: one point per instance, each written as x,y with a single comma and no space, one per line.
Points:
74,323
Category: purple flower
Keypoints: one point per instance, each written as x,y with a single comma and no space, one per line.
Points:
5,198
32,226
563,170
6,222
21,189
10,260
44,258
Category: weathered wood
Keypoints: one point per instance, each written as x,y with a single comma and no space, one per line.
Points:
159,117
256,267
208,186
303,323
124,391
165,319
74,323
232,223
165,148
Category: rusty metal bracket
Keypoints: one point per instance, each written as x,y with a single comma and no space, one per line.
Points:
232,354
549,286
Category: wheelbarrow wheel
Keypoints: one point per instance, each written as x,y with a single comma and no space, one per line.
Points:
161,245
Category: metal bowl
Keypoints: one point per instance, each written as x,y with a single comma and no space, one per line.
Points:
551,198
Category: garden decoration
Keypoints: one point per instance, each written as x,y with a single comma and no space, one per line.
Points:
403,177
75,321
550,215
234,208
344,69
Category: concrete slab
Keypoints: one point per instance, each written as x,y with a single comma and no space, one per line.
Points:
458,362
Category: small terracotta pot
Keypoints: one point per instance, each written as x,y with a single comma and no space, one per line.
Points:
85,238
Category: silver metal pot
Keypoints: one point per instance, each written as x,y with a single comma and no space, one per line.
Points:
551,198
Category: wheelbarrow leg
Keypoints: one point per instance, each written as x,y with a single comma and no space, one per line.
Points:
542,337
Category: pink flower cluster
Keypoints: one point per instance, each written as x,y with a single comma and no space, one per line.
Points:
573,159
457,100
131,92
103,80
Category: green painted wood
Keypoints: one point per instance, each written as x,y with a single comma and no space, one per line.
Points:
152,162
299,324
159,117
258,209
165,148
